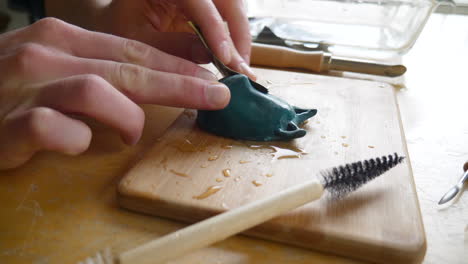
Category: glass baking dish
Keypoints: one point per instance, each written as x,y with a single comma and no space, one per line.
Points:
370,29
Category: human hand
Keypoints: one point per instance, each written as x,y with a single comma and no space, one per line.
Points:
163,24
53,71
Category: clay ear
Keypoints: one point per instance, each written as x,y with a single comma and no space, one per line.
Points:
292,131
303,114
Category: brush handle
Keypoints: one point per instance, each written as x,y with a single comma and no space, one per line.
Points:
220,227
282,57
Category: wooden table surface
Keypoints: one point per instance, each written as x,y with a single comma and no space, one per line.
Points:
59,209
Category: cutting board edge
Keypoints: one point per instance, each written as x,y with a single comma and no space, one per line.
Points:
408,253
411,253
410,168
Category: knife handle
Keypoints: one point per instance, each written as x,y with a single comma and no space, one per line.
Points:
281,57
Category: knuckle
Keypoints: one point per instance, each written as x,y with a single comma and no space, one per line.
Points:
128,76
187,90
187,68
88,85
134,51
49,27
28,56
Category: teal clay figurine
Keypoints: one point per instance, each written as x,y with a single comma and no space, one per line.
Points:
253,114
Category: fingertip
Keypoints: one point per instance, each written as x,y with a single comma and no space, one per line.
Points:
217,95
135,124
82,141
244,68
131,141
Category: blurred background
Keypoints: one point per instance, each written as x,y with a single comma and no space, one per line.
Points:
379,30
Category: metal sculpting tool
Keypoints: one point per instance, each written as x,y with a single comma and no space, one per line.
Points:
338,181
456,189
222,68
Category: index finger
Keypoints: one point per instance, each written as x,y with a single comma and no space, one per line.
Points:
235,14
82,43
206,15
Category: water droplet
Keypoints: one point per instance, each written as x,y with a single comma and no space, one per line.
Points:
186,145
204,166
343,137
370,146
214,157
256,183
345,145
281,152
226,146
285,153
269,175
219,180
227,172
323,136
209,191
244,161
181,174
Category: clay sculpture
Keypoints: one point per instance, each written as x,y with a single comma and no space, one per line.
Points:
254,114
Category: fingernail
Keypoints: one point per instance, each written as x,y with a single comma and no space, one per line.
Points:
247,70
225,52
217,95
207,75
133,141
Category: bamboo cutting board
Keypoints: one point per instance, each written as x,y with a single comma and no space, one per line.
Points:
189,175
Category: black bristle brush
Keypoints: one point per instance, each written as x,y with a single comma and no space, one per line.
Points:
342,180
338,181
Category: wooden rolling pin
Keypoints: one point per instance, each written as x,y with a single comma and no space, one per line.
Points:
316,61
337,181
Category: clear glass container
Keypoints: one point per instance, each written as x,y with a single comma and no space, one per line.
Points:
371,29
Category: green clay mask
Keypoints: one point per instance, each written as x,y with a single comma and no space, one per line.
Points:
254,115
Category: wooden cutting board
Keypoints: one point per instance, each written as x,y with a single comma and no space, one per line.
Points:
189,175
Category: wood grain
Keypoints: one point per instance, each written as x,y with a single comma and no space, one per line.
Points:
356,120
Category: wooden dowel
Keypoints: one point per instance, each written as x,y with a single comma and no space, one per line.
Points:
281,57
220,227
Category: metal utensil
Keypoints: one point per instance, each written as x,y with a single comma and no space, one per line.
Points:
455,189
267,36
299,55
222,68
